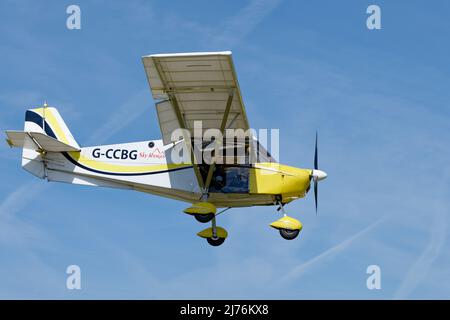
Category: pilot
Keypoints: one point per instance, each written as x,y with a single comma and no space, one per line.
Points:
219,180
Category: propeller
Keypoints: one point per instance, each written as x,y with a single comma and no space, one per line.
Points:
317,174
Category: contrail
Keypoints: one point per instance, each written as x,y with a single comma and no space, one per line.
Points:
18,198
419,270
299,270
237,27
122,116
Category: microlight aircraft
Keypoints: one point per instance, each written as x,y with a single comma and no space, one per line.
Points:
189,88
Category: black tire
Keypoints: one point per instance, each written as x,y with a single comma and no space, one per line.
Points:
289,234
215,242
204,218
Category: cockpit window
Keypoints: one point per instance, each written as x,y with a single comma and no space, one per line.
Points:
230,180
262,155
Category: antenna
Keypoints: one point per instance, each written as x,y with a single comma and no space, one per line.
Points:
43,117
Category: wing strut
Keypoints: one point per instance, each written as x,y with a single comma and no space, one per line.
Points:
188,141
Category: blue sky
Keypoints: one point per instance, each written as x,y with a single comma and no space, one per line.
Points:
379,100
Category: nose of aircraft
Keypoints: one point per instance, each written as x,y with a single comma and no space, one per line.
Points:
319,174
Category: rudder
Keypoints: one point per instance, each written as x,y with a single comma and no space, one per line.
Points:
46,120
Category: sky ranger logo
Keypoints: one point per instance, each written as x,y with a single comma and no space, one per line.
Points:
156,154
119,154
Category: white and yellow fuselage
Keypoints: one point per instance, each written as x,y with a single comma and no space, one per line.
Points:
146,166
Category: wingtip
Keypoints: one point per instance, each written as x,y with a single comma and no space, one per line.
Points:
9,142
187,54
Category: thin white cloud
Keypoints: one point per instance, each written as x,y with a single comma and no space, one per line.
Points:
223,35
122,116
239,26
12,229
419,270
299,270
16,200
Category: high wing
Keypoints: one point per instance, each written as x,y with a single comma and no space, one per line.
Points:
195,87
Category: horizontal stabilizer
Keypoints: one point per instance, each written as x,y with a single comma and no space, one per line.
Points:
37,141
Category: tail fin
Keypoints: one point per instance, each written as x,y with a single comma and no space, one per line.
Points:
47,120
39,122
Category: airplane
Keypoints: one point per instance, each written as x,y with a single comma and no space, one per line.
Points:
188,88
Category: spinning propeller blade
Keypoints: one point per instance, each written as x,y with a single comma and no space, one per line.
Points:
316,160
316,167
317,174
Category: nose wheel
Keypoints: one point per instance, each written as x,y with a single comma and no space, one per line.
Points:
288,227
289,234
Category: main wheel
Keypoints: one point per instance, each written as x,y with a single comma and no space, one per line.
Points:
204,218
289,234
215,242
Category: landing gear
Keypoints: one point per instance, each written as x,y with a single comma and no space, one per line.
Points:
205,212
289,234
204,218
215,242
202,211
214,235
288,227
